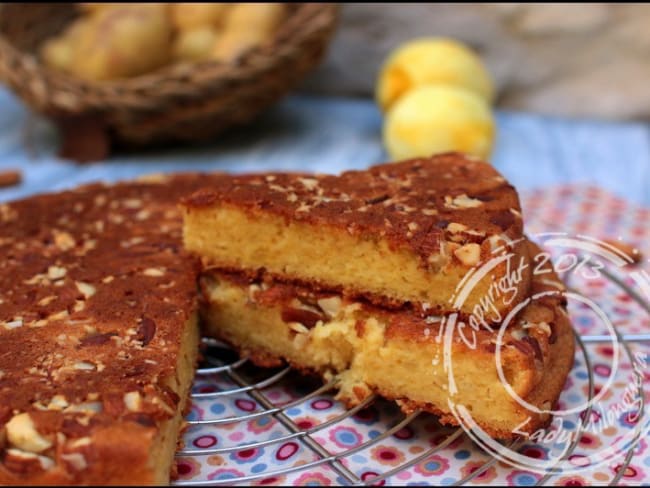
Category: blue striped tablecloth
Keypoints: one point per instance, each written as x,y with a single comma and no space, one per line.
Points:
332,134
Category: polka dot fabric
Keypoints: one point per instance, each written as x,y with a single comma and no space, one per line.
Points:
269,450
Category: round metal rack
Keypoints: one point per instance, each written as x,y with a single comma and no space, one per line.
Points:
219,360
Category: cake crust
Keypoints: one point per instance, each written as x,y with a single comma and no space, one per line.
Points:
99,333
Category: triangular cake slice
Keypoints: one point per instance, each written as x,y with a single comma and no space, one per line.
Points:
98,334
395,233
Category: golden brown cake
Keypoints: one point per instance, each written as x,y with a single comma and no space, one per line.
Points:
98,334
399,232
397,353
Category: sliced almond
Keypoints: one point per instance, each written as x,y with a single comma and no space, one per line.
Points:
455,227
330,305
133,401
22,433
462,201
86,289
76,460
21,461
56,272
469,254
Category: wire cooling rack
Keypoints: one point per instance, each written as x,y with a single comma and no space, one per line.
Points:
247,422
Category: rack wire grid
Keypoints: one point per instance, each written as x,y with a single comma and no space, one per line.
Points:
251,425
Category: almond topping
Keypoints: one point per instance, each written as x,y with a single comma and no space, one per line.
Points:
455,227
87,407
469,254
14,324
543,326
46,300
155,272
22,434
132,203
76,460
298,327
143,215
56,272
63,240
462,201
80,442
24,462
84,366
330,305
87,290
58,402
63,314
133,401
309,183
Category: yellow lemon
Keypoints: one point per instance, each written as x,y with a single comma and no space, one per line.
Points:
432,61
432,119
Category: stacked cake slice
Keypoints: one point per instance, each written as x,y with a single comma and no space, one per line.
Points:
394,280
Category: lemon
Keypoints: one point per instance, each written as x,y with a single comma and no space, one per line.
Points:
432,119
432,61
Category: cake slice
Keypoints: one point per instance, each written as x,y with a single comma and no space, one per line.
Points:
396,233
397,353
98,334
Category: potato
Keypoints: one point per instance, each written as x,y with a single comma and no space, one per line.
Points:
261,16
93,8
431,61
232,44
246,26
58,51
195,44
190,16
123,41
432,119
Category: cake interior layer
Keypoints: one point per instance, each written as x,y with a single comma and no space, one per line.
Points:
165,444
376,352
358,265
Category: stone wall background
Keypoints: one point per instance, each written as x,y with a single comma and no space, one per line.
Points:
581,60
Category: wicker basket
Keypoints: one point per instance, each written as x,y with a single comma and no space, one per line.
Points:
183,102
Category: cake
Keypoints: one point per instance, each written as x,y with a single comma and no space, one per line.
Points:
395,233
349,277
99,334
399,354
